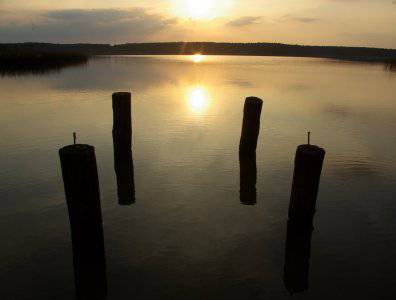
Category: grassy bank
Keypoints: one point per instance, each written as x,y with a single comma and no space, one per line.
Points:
15,63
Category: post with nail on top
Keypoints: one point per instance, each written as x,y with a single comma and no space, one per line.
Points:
307,171
251,125
80,177
122,141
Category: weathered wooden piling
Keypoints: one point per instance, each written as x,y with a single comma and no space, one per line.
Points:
307,171
251,124
80,177
122,120
122,141
248,178
297,257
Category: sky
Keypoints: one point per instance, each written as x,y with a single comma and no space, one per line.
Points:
315,22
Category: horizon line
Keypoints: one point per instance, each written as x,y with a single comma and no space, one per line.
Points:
192,42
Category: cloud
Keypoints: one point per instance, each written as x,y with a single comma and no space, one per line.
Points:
244,21
80,25
305,19
290,17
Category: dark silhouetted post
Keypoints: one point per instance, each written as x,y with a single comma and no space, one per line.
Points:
122,121
307,171
297,257
122,141
80,177
251,125
248,178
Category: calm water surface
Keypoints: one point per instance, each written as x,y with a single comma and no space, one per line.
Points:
188,236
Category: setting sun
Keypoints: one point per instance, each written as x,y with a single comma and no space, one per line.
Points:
201,9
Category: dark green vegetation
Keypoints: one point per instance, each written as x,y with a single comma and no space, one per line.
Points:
23,61
176,48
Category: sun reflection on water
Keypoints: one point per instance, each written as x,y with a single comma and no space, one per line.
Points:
198,58
198,99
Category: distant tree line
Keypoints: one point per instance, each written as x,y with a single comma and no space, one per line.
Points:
189,48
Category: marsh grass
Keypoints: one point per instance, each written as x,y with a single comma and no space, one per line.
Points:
21,63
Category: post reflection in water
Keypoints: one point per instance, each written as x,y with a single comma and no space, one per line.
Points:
198,99
297,257
123,166
248,178
89,260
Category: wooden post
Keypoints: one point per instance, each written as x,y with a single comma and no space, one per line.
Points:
122,121
251,124
80,177
122,141
248,178
297,257
307,171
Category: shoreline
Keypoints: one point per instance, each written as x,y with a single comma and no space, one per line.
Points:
363,54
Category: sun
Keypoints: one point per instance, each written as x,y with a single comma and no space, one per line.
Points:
199,9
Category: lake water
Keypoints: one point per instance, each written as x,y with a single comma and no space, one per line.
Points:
188,236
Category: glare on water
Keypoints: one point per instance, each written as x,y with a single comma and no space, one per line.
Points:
197,58
198,99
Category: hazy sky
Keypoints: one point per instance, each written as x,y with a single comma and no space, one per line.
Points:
321,22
